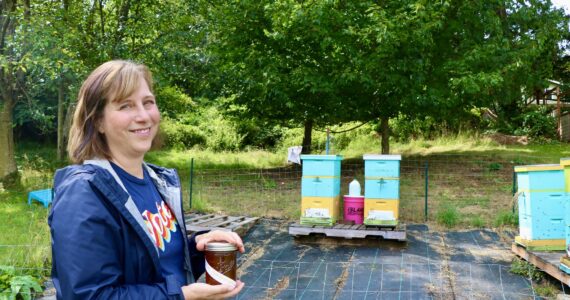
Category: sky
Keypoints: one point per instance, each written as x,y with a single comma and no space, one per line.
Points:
562,3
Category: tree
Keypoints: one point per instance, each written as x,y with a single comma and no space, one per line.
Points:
13,18
281,61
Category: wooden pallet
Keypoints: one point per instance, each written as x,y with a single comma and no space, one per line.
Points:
239,225
348,231
546,261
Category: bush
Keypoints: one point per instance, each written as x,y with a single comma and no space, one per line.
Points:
338,141
525,269
172,101
404,128
259,134
536,123
14,286
206,127
179,135
220,133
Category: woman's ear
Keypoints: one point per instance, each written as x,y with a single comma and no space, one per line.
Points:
100,127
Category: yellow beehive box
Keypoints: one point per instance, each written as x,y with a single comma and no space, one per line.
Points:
381,211
320,210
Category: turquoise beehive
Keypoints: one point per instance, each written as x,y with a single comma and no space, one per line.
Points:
382,176
320,189
541,202
321,175
381,189
565,163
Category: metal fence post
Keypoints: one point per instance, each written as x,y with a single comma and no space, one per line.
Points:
426,193
191,181
514,188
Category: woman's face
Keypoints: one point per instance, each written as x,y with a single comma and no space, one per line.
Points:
131,124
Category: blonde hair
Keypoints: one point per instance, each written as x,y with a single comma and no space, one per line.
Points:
112,81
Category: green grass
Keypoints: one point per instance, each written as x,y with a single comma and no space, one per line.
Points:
217,160
544,286
525,269
448,217
470,184
506,218
477,222
25,238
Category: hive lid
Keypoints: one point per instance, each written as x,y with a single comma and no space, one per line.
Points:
382,157
544,167
321,157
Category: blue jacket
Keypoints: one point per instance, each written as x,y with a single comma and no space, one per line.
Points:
101,248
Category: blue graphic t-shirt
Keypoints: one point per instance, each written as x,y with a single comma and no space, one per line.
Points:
159,220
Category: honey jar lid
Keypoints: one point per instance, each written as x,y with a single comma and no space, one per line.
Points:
219,246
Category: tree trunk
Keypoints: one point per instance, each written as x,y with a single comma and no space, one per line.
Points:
8,170
307,137
60,120
385,131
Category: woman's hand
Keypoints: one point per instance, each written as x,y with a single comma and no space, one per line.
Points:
219,236
206,291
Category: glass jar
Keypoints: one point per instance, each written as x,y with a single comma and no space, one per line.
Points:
221,257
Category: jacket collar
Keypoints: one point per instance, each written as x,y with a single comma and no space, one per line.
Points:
170,194
129,204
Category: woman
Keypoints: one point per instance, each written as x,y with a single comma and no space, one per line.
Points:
117,224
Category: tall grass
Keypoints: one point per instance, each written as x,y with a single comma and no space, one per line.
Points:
25,238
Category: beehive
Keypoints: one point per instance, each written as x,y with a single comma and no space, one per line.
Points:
320,189
381,189
541,202
565,163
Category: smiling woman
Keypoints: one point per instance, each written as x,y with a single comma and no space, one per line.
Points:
129,126
116,222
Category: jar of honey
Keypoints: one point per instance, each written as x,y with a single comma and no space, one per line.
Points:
221,263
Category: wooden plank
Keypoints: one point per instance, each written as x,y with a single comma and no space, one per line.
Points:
200,219
247,222
229,221
210,221
239,224
545,261
196,218
192,229
354,231
243,227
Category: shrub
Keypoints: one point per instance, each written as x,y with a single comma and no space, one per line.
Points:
14,286
523,268
172,101
258,133
339,141
220,133
536,123
404,128
179,135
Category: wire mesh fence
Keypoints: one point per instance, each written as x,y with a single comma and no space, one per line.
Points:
469,190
